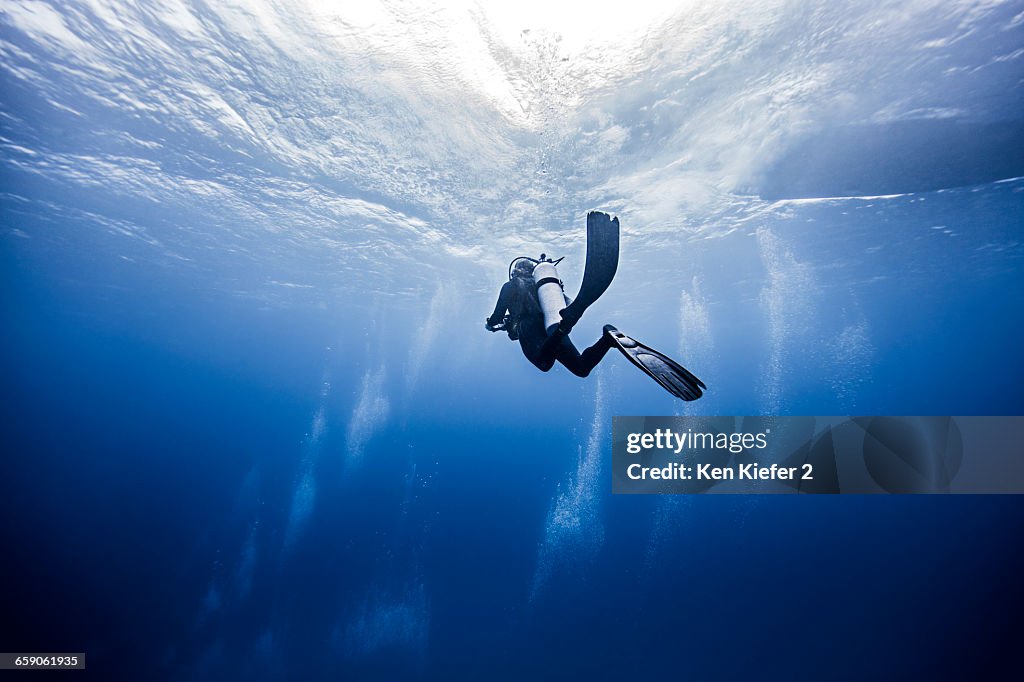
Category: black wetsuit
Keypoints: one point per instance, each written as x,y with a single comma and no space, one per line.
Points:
519,297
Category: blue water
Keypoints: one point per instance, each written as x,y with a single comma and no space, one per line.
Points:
253,425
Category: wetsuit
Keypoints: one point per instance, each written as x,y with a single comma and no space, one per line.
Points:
519,298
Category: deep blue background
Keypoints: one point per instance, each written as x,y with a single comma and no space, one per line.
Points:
125,455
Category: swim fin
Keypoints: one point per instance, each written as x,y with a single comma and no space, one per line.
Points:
672,376
602,262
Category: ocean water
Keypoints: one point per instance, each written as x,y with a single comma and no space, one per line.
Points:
253,427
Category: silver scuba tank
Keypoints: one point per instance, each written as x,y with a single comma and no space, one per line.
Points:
549,293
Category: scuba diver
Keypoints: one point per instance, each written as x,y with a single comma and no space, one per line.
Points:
540,315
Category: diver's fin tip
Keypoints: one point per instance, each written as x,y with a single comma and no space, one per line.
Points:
601,264
668,373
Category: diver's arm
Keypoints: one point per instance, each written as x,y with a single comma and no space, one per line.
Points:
504,298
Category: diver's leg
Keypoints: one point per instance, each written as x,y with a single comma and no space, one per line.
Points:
596,353
542,357
581,364
549,350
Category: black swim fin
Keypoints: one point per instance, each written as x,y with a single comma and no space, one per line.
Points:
672,376
602,262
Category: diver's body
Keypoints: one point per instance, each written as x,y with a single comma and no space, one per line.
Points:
518,297
540,315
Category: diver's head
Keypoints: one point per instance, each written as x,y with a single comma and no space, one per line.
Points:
523,269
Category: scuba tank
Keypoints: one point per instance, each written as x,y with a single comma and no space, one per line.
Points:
550,292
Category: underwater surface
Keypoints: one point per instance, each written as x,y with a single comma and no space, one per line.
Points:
253,427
